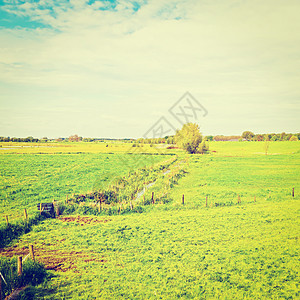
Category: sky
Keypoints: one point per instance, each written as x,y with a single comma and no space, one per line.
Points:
117,69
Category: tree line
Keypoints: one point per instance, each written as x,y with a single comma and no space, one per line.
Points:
250,136
71,138
246,136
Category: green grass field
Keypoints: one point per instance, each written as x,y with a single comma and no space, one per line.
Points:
28,179
223,251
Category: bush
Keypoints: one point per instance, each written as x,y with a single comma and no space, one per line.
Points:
203,147
247,135
189,137
293,138
33,273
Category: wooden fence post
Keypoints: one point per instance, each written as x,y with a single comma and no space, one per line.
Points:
6,218
131,207
254,198
152,198
183,199
25,214
206,201
19,265
293,192
31,252
239,199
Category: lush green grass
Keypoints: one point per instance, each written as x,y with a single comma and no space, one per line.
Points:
238,251
253,148
223,179
28,179
130,193
83,147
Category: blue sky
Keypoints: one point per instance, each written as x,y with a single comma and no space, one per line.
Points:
113,68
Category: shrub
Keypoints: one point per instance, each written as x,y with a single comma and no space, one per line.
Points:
293,138
248,135
33,273
203,147
189,137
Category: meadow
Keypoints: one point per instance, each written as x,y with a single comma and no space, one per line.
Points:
30,178
222,250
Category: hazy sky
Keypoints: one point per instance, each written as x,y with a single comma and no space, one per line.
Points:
114,68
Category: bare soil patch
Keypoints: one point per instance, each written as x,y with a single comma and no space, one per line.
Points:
57,260
83,220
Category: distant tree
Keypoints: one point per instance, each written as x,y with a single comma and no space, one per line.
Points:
219,138
226,138
274,138
74,138
283,136
259,137
248,135
171,140
189,137
293,138
209,138
288,136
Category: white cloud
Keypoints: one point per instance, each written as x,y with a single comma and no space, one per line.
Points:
222,50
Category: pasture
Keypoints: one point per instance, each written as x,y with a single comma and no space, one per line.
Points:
28,179
222,250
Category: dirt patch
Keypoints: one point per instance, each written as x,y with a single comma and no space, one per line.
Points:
83,220
57,260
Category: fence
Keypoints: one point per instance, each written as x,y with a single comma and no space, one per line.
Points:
20,262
